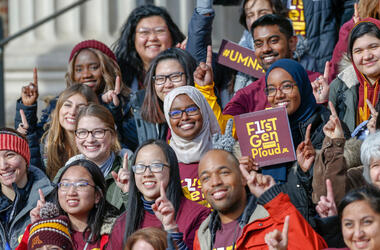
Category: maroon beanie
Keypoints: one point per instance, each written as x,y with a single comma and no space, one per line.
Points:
94,44
52,229
13,142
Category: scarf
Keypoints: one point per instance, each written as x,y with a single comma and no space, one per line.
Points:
189,151
366,89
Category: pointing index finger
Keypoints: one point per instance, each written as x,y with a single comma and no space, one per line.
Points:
125,161
332,109
327,70
285,229
371,107
307,135
117,85
35,77
162,191
330,192
23,118
209,55
42,197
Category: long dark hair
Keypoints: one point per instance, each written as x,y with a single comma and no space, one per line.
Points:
102,210
151,109
369,193
128,59
135,208
361,29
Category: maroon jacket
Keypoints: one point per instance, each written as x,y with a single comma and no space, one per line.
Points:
252,98
189,217
340,48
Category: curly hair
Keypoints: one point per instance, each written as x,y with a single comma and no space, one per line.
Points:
129,60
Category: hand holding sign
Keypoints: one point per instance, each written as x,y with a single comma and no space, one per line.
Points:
122,177
278,240
326,206
24,125
256,182
248,163
333,128
306,152
112,95
29,93
321,87
164,210
35,212
203,74
371,125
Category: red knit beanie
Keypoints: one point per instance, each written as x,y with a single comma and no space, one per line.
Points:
13,142
94,44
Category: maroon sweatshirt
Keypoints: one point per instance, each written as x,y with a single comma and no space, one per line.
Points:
189,217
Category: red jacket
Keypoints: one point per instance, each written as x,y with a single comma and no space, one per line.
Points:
300,235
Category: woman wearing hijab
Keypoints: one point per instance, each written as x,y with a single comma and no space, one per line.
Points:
192,124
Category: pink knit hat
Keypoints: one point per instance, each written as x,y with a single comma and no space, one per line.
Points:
13,142
94,44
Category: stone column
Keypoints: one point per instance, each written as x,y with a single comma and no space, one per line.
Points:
48,47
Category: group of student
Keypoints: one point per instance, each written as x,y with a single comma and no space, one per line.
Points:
140,151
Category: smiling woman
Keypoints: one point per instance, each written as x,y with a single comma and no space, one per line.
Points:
192,124
359,212
19,186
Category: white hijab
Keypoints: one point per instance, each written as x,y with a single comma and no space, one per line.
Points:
191,151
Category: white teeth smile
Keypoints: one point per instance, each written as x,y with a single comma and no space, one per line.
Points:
8,174
91,147
73,202
282,104
219,194
187,126
71,120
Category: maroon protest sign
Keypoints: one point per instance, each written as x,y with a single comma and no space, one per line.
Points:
239,58
266,136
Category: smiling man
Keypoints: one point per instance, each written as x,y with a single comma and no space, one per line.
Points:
241,219
274,39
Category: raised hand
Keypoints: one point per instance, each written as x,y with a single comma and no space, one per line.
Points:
35,212
203,74
277,240
224,141
122,177
321,87
24,125
306,152
371,125
29,93
333,128
111,95
356,13
248,163
164,211
182,45
326,205
257,183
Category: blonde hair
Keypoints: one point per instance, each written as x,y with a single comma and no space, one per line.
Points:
101,112
58,146
369,8
110,70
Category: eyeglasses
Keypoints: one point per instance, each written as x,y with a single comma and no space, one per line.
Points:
285,88
190,111
98,133
79,186
146,32
173,77
154,168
